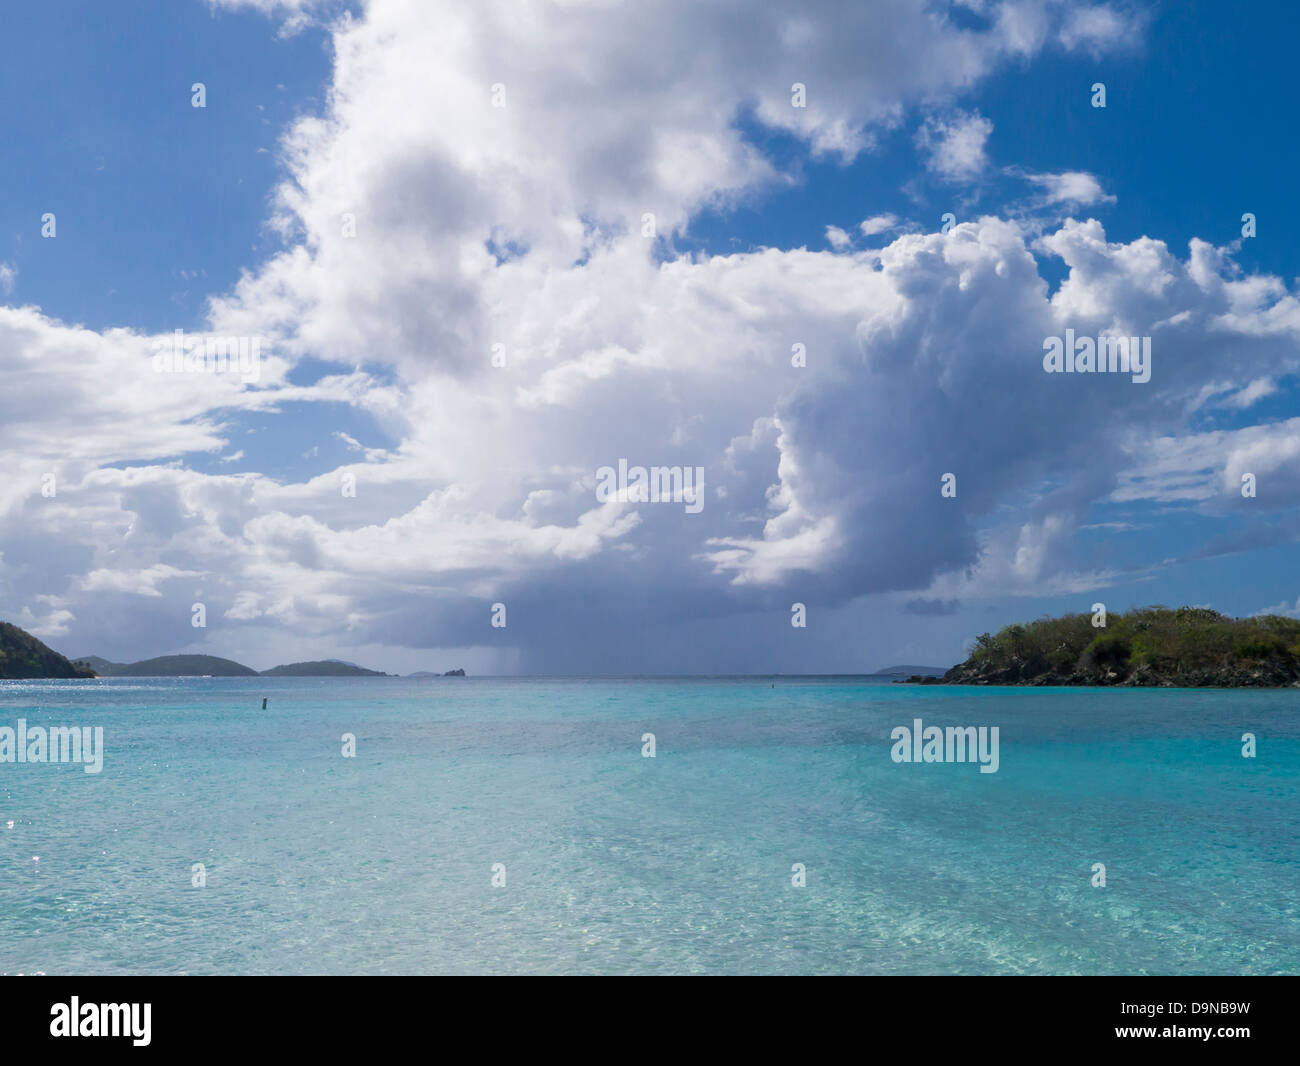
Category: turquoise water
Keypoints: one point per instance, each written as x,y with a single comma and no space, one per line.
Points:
616,863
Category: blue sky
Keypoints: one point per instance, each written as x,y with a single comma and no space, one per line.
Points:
475,487
160,204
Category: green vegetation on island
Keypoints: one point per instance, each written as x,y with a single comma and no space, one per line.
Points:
23,657
1187,647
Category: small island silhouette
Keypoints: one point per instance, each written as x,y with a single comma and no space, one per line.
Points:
24,657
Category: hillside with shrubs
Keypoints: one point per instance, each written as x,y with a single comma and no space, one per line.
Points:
1187,647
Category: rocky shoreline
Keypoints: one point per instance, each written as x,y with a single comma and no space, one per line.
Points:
1236,676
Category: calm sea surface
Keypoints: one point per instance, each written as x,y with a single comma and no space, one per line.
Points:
616,863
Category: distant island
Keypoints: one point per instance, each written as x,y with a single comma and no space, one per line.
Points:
911,671
23,657
322,668
168,666
213,666
1187,647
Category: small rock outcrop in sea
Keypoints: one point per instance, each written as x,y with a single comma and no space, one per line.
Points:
454,673
1190,647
